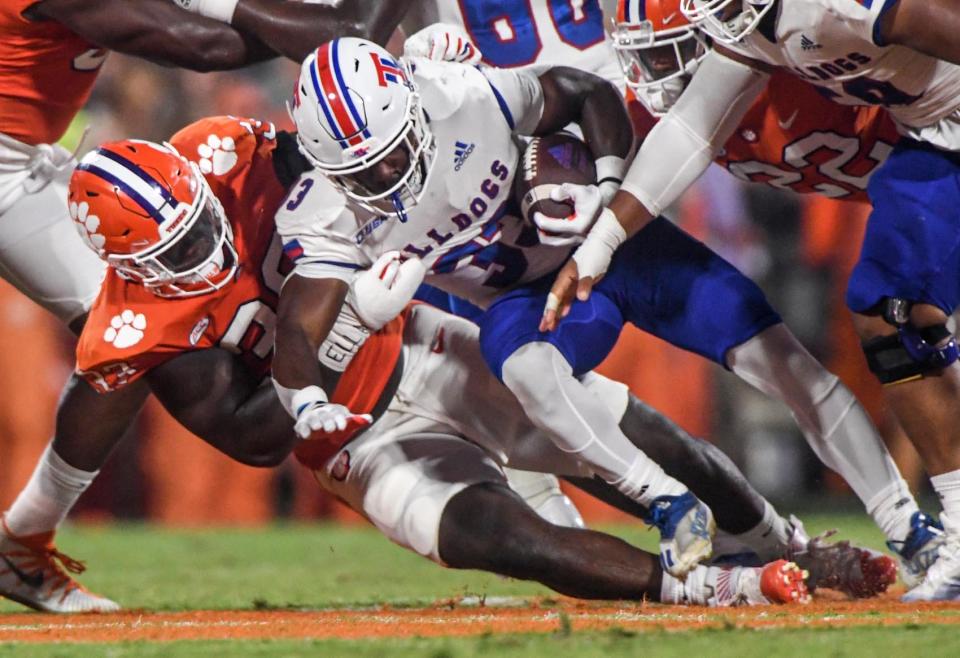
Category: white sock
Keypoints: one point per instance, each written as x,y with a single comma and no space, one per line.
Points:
770,538
710,586
581,423
834,423
49,495
892,508
947,486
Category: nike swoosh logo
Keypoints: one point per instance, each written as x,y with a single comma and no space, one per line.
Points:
785,125
666,21
34,580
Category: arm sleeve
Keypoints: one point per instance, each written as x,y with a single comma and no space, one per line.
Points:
519,96
307,223
683,144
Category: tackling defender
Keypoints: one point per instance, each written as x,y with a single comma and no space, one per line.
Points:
783,140
905,284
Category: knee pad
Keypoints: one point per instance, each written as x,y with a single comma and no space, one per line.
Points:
910,353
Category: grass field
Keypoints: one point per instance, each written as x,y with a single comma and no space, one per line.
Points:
330,590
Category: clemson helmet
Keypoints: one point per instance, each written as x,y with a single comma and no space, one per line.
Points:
658,50
358,114
726,21
150,214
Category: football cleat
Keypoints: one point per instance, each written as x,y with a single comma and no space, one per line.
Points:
777,582
920,550
942,580
857,572
33,572
784,582
686,531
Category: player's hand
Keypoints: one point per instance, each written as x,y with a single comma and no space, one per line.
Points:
567,284
329,421
379,294
443,43
561,231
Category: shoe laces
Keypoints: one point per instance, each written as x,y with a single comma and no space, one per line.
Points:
56,565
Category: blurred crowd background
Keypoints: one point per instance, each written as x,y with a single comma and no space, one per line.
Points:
800,250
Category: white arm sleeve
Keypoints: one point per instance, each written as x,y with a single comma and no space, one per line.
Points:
685,142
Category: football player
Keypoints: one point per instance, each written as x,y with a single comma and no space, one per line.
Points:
900,55
50,55
793,138
439,191
186,310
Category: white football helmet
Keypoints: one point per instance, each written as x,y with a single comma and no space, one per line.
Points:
360,121
727,21
658,50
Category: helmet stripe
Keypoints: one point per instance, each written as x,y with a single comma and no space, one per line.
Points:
357,119
338,116
322,100
134,182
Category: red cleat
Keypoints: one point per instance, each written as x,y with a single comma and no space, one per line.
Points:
784,582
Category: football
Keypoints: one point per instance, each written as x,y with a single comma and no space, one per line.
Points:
546,163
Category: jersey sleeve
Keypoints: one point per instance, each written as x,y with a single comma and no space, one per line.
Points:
519,96
863,16
107,360
307,221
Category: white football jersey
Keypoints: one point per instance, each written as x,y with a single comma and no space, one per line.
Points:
512,33
465,228
835,45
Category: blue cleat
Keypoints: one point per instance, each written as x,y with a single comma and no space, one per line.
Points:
920,549
686,531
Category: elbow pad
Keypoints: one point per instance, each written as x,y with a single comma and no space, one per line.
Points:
681,147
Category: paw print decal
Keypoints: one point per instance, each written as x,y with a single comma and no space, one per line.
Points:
217,156
87,225
126,329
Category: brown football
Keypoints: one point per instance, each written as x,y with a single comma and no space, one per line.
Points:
546,163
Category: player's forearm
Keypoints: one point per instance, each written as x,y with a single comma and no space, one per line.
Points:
156,30
928,26
294,29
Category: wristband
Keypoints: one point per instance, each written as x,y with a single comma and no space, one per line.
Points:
295,400
594,255
610,171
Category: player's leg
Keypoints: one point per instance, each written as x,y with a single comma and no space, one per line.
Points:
446,499
676,288
904,286
539,369
42,254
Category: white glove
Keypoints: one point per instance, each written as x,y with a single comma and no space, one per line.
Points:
328,418
218,10
587,203
380,293
442,42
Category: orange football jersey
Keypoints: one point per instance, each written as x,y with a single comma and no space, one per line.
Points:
793,138
46,73
130,330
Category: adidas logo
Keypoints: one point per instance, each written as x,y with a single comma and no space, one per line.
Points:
461,152
806,43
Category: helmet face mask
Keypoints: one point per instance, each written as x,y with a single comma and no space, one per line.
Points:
726,21
152,216
657,63
363,125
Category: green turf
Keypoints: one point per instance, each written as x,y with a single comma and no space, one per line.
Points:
301,566
929,642
320,566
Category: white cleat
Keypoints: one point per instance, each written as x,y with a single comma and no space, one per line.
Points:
686,532
942,581
33,572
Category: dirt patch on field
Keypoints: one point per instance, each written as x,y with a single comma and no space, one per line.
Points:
456,619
